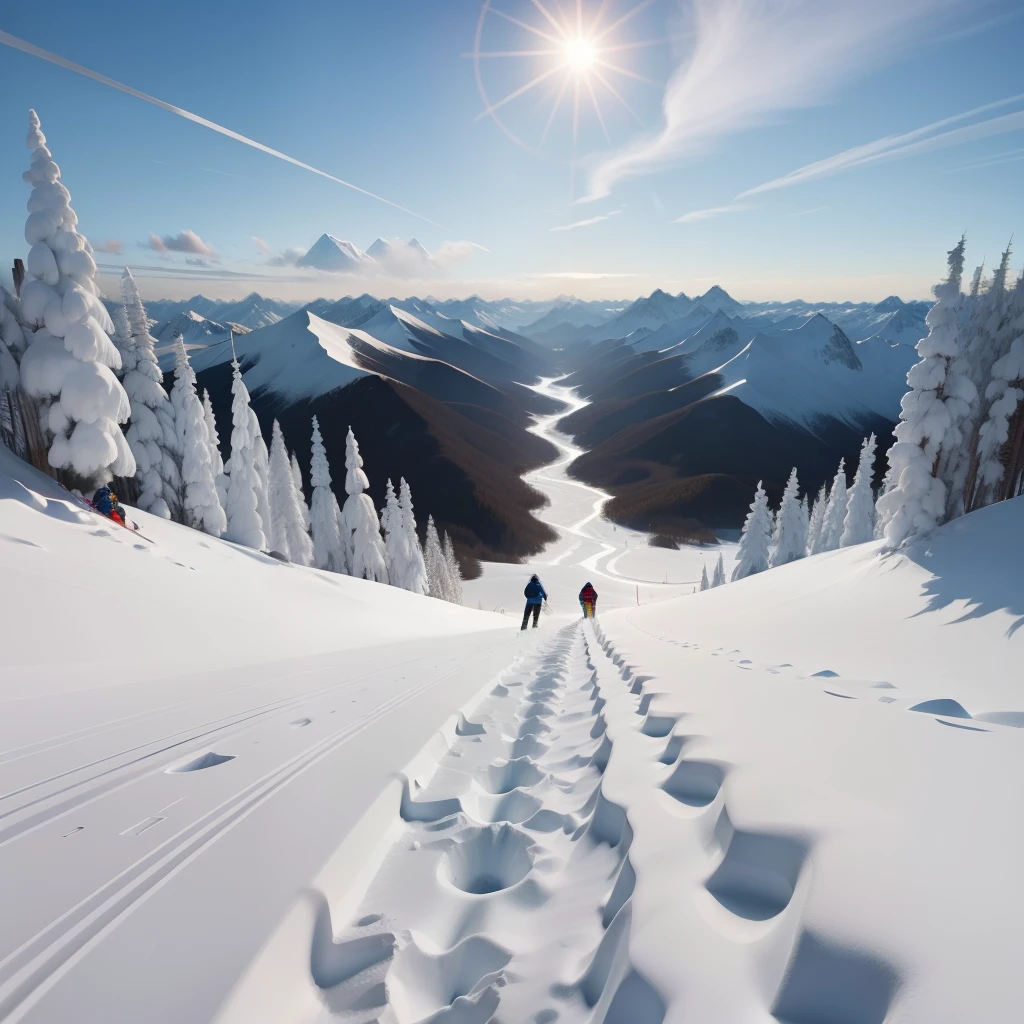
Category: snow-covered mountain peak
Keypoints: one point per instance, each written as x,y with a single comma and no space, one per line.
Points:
821,338
891,304
717,298
333,254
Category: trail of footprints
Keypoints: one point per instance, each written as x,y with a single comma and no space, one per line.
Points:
509,894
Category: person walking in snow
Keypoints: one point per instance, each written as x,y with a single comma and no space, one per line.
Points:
588,601
534,593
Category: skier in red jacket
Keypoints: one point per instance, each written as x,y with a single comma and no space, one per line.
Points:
588,601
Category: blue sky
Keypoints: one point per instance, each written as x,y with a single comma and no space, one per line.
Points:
736,94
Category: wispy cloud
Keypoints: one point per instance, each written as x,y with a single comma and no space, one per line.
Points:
113,246
286,258
1010,156
456,252
183,241
750,60
586,223
896,147
694,216
261,247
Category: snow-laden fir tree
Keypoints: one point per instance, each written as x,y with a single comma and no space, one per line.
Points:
704,584
155,434
835,512
324,514
245,525
817,516
999,454
394,536
122,337
414,569
859,524
288,533
12,345
216,460
262,463
69,366
933,413
360,527
299,493
754,549
454,572
718,576
790,526
201,508
437,568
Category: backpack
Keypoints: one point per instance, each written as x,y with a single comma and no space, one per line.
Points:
532,589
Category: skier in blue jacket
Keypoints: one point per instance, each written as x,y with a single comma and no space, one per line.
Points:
534,594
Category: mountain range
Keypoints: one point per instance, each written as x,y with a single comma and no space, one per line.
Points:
692,399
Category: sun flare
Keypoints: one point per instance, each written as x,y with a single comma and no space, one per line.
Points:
574,52
580,53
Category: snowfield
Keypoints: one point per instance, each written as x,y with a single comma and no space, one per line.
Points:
244,791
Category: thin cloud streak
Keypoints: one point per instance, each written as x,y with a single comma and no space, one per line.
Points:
26,47
587,223
695,216
895,147
754,59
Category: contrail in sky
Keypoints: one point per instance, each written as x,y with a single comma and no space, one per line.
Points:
20,44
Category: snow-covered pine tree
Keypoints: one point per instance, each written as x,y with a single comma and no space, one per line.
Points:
859,523
216,460
324,515
1000,434
68,367
415,574
122,337
454,572
933,412
154,433
752,556
394,537
437,568
718,576
360,527
201,508
790,526
299,492
704,584
817,516
245,525
288,533
12,345
262,463
835,512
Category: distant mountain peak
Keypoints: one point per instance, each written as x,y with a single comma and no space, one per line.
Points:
890,304
332,254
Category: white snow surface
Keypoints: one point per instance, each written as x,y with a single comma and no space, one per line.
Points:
790,798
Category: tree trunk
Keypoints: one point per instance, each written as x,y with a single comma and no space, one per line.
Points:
35,443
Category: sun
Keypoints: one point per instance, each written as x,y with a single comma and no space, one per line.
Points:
570,53
580,54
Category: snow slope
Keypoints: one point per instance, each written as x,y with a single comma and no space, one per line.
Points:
183,724
842,838
814,372
656,818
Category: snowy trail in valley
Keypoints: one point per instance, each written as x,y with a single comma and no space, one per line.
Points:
619,562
